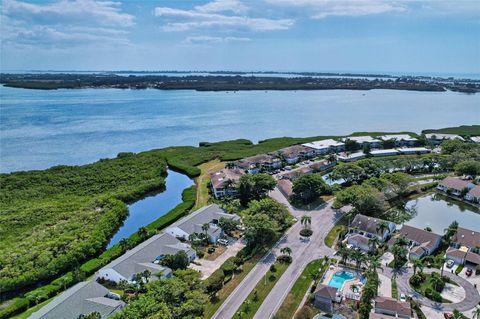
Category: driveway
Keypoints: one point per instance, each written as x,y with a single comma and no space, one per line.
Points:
207,267
385,288
303,252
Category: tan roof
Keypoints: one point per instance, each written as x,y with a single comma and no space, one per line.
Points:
473,258
424,238
326,291
257,159
374,315
285,186
467,237
294,150
319,164
399,307
456,253
475,192
455,183
219,178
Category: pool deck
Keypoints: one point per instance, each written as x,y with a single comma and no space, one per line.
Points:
346,290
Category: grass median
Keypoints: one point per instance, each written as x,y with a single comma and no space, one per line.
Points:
250,306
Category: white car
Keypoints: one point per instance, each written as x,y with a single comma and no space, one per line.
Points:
295,220
222,241
403,297
240,227
450,263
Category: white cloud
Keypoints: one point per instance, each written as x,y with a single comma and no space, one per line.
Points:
318,9
234,6
215,14
203,39
64,23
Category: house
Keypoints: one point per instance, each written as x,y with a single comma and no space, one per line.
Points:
365,140
285,186
413,150
296,153
81,299
400,139
322,165
474,195
465,248
346,157
454,185
223,183
292,175
371,226
421,242
143,257
257,163
385,152
193,224
475,139
325,296
438,138
359,241
326,146
392,307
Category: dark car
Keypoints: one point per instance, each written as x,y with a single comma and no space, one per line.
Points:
448,315
469,272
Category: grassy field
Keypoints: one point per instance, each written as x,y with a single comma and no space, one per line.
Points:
471,130
203,180
212,306
26,314
262,289
339,227
298,291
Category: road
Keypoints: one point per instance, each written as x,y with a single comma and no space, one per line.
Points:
323,219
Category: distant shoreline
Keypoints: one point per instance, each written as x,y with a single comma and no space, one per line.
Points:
49,81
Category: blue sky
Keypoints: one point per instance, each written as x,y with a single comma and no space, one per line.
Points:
430,36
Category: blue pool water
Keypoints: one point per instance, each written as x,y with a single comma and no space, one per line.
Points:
339,278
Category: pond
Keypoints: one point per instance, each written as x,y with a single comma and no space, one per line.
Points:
438,211
147,210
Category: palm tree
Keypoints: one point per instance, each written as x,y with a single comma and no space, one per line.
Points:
146,274
354,288
142,232
344,252
457,314
476,313
124,244
382,227
306,220
374,263
316,275
358,257
286,251
436,282
331,158
373,243
417,263
205,228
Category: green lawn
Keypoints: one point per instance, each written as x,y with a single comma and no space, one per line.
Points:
340,227
298,291
252,303
203,180
394,287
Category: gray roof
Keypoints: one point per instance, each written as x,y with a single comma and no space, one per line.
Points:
205,215
422,237
83,298
142,256
367,224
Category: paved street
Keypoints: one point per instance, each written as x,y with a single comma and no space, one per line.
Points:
303,252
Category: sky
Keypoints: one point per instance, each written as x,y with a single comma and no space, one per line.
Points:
404,36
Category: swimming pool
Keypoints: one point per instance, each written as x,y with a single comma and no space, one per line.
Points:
339,278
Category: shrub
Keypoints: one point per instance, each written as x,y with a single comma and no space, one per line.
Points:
17,305
273,268
305,232
215,282
211,250
417,279
284,259
432,294
229,266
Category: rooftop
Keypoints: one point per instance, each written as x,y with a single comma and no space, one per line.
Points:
398,137
219,178
455,183
294,150
420,236
323,144
467,237
325,291
390,304
362,139
385,151
367,223
142,256
441,136
475,191
83,298
286,187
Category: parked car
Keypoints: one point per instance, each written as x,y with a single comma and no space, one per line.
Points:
240,227
403,297
448,315
469,272
450,263
222,241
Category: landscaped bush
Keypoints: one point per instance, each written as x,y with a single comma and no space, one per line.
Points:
305,232
285,259
16,306
417,279
430,293
215,282
211,250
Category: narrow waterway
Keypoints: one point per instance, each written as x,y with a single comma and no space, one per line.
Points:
145,211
